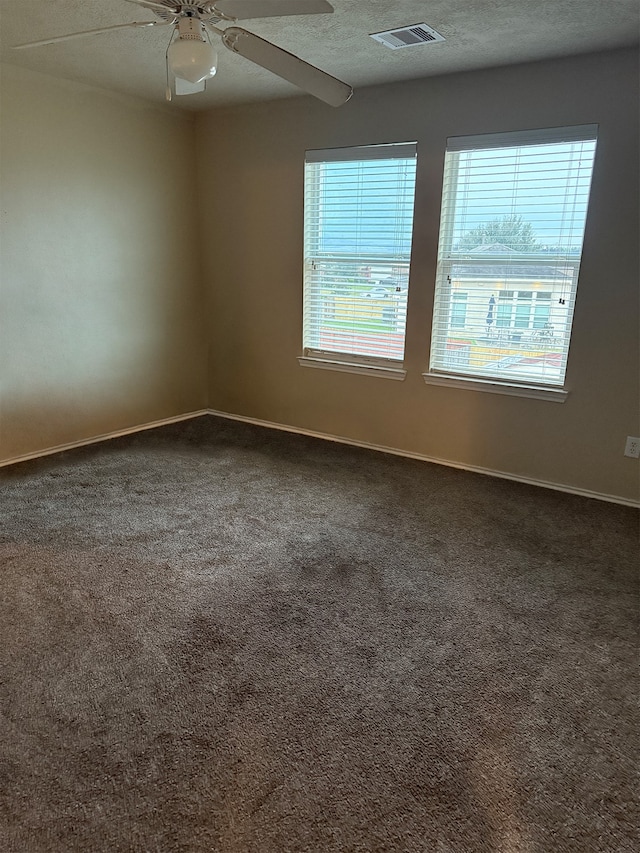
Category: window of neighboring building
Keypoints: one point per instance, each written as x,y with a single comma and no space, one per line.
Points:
358,221
523,309
458,310
513,216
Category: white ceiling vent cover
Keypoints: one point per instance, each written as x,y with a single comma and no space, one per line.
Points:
407,36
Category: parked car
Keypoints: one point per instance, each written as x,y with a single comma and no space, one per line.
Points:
379,292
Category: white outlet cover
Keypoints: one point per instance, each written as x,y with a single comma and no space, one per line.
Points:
632,447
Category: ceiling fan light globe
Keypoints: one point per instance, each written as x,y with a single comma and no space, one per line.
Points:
192,60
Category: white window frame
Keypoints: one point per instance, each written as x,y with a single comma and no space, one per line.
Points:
350,362
440,374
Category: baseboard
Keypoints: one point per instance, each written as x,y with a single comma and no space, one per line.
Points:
476,469
72,445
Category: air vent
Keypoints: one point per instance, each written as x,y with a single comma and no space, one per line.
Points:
407,36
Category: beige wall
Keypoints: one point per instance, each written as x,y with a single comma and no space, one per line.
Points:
99,278
251,169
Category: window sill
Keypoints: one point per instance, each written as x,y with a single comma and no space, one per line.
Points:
353,367
497,386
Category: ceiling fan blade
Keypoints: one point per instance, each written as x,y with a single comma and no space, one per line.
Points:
149,4
244,9
84,33
307,77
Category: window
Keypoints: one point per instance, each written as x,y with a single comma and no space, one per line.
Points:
523,309
357,244
458,310
514,208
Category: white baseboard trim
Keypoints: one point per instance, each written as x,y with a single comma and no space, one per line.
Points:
476,469
72,445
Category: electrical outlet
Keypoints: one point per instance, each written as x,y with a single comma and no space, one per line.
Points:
632,447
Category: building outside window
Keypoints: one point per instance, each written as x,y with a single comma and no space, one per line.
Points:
512,224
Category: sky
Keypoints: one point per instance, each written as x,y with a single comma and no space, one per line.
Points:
366,207
547,185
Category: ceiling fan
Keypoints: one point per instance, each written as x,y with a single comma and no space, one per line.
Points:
192,60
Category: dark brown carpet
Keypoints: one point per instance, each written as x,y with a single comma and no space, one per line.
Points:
217,637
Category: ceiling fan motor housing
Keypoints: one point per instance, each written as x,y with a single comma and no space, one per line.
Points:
191,29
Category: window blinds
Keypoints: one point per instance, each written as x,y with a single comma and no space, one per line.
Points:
358,221
512,224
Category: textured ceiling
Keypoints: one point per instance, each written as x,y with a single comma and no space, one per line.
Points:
479,34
